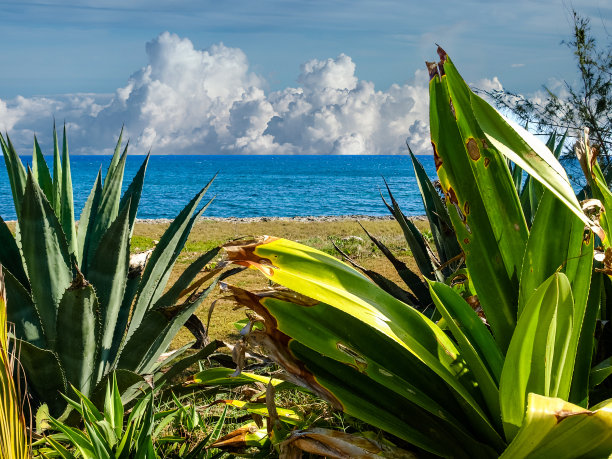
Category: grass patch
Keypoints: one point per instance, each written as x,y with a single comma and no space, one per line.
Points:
207,234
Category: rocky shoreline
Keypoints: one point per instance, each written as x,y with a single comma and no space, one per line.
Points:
302,219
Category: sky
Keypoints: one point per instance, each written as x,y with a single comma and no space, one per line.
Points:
265,77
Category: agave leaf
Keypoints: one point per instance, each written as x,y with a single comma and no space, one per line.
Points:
46,255
441,227
24,315
108,209
116,156
10,257
556,428
488,218
475,342
184,281
157,329
79,313
57,175
40,171
87,220
123,317
108,274
46,380
162,259
16,172
526,150
538,351
132,194
67,201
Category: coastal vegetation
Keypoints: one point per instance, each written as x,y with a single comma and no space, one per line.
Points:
487,334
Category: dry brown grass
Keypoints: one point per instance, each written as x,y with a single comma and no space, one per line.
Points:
318,234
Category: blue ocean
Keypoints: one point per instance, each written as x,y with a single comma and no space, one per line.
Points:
255,186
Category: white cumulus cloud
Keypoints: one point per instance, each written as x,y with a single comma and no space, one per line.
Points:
191,101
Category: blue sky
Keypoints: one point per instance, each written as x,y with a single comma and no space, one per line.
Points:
59,49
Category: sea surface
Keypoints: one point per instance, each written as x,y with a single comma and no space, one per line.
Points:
254,186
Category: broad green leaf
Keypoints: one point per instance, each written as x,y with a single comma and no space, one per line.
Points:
285,414
116,155
221,376
46,256
322,277
538,351
476,343
186,362
526,150
40,171
554,428
482,202
579,393
567,249
78,313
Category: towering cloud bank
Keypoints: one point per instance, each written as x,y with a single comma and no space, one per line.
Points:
190,101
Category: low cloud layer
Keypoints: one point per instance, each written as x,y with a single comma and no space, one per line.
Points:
190,101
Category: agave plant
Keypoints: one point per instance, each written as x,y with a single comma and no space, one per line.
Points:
515,384
80,309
